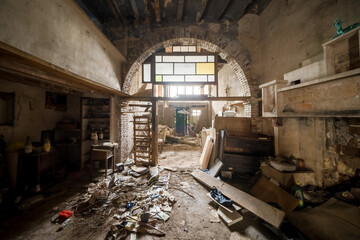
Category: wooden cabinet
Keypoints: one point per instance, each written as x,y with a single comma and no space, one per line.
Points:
270,97
95,117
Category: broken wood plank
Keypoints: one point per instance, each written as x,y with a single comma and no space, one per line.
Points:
215,169
229,218
232,209
205,155
263,210
269,192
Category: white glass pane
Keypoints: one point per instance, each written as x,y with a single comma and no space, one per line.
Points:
163,68
192,49
173,58
184,48
184,68
176,49
195,59
181,90
211,78
147,73
196,78
173,78
158,58
206,89
189,90
196,112
197,90
173,91
211,59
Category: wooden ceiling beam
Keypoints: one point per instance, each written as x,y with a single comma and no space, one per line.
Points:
201,10
180,10
221,13
246,3
157,11
115,11
135,9
147,12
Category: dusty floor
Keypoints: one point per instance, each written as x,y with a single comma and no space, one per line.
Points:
180,156
193,215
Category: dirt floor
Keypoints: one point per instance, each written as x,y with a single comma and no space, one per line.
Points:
193,215
180,155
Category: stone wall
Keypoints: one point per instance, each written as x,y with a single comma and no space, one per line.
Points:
342,154
292,31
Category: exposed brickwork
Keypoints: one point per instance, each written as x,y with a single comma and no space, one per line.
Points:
123,131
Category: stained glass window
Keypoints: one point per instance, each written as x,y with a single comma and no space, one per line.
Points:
184,68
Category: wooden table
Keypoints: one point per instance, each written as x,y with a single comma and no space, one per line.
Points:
30,166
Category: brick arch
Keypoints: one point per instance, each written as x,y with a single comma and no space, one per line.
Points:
230,50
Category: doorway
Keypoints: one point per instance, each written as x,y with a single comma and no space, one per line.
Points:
181,121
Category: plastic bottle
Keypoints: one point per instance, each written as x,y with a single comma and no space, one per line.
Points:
94,137
297,191
47,145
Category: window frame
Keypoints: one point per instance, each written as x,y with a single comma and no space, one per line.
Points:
153,76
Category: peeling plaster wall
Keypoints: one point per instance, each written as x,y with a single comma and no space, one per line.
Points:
31,117
59,32
293,31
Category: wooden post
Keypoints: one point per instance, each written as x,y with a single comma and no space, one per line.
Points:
154,129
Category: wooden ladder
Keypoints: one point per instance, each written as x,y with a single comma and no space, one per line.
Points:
142,139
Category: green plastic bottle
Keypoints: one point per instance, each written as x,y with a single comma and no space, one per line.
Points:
297,191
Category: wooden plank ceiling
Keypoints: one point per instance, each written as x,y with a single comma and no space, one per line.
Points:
133,12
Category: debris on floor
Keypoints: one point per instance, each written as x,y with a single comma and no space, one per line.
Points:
137,199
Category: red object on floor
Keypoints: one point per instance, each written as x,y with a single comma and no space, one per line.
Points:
65,213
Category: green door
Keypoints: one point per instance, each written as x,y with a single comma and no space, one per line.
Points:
181,121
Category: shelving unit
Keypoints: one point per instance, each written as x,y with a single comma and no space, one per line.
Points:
142,139
95,116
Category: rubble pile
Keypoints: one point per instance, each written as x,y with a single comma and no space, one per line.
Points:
136,204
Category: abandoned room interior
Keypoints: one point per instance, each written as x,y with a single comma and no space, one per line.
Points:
179,119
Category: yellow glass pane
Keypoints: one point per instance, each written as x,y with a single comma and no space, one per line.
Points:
158,78
205,68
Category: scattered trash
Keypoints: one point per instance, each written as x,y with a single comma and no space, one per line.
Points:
163,216
129,205
65,214
120,167
64,224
